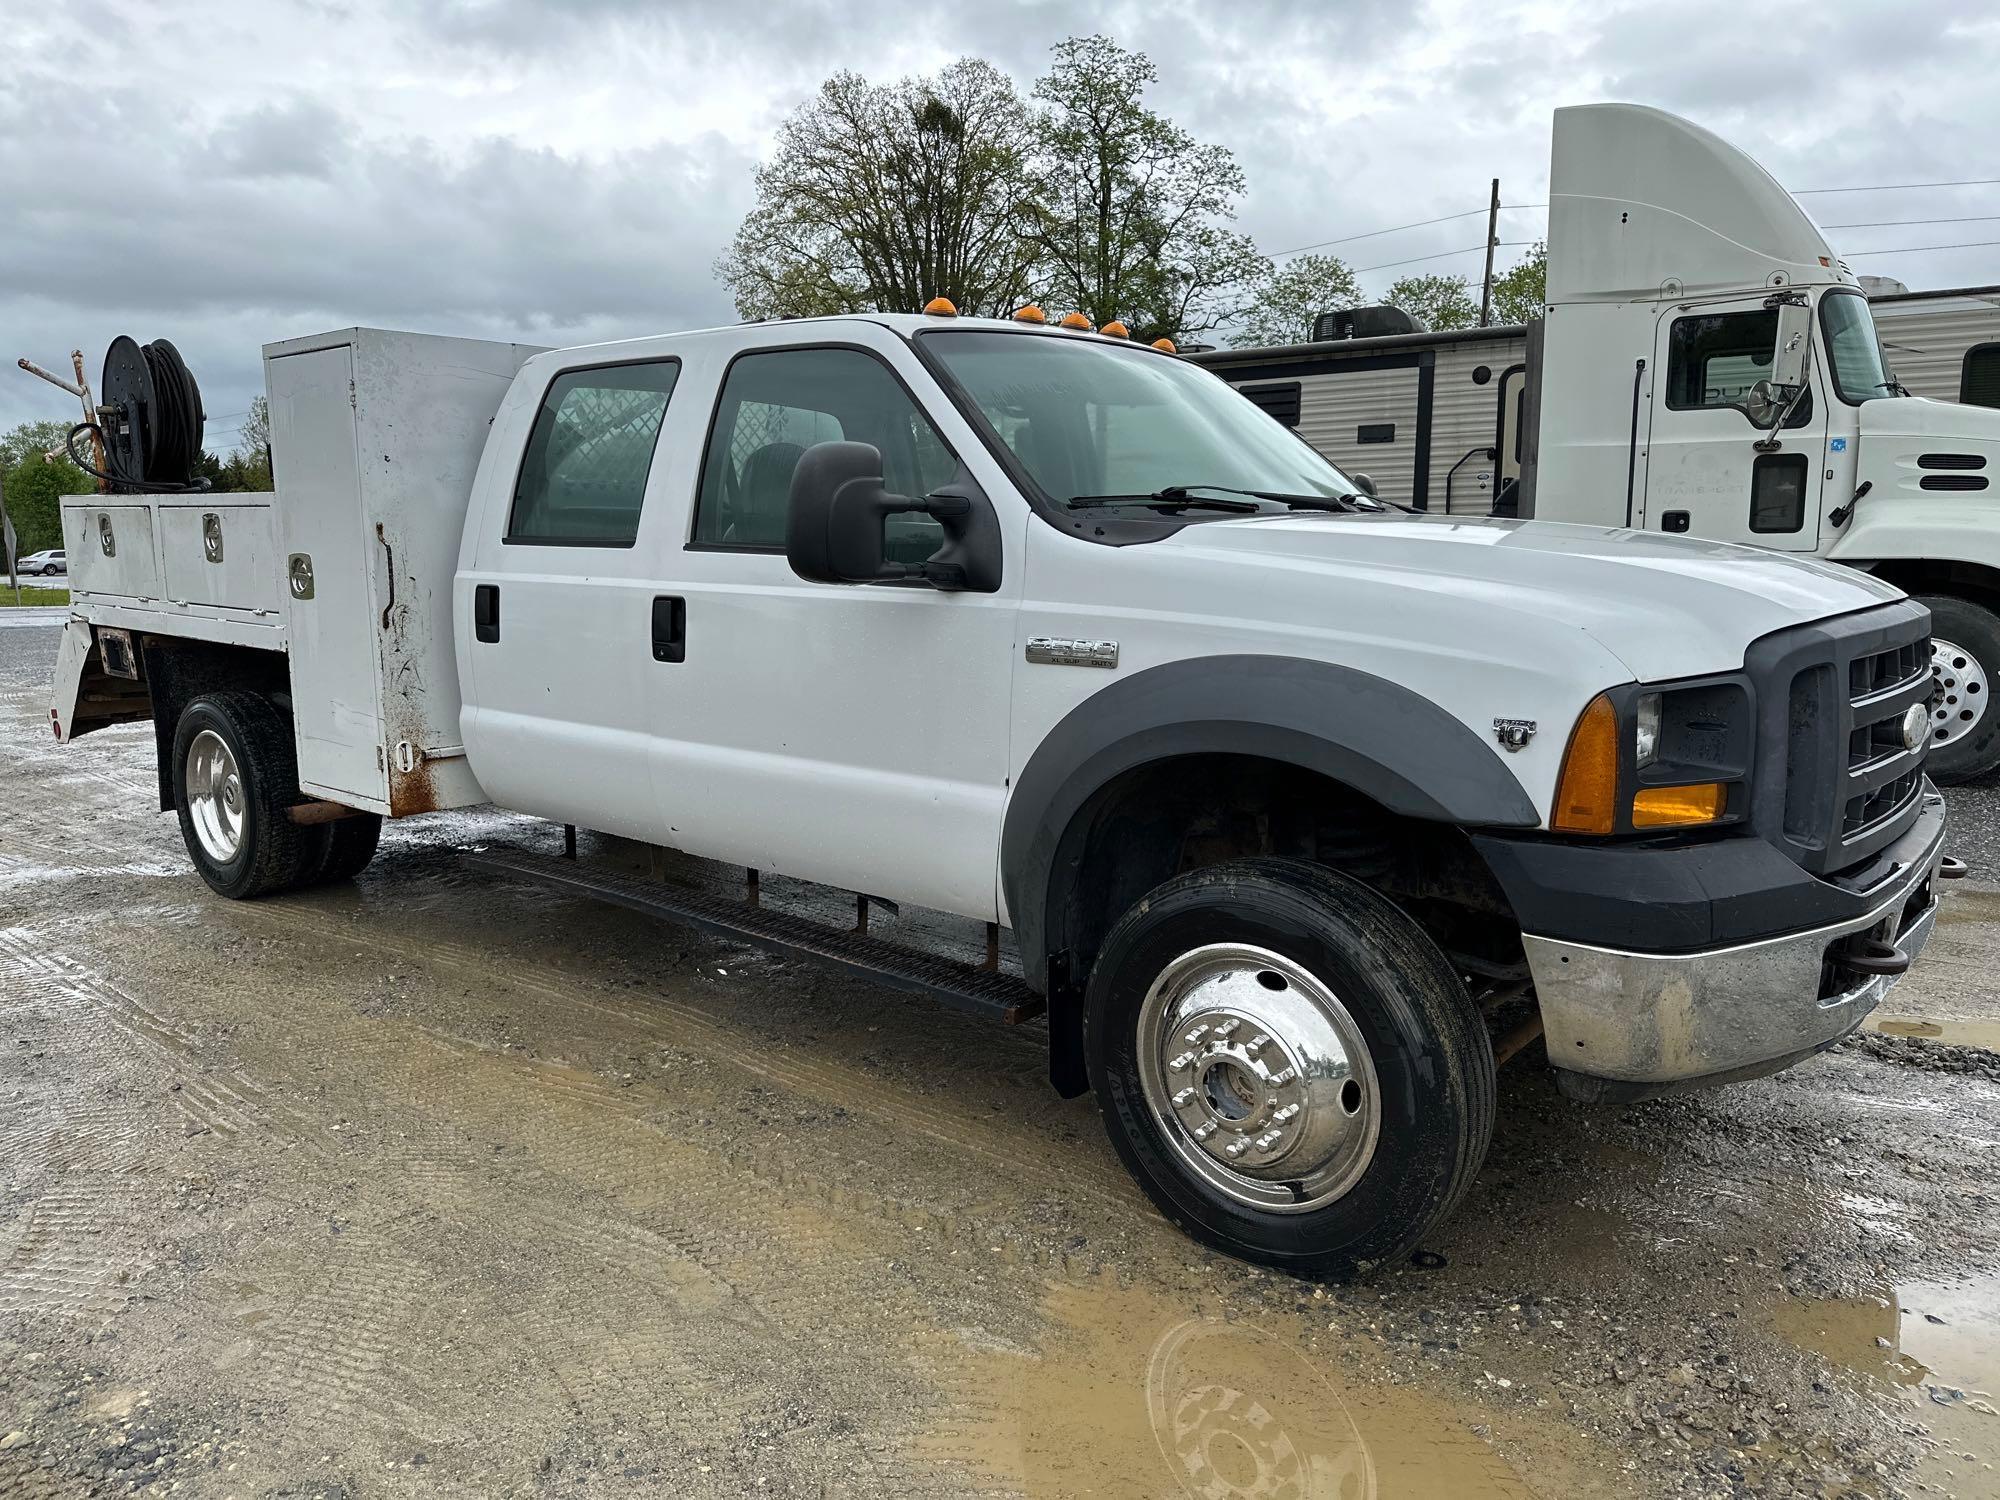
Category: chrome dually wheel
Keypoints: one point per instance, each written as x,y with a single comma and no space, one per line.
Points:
1260,1077
1959,703
215,795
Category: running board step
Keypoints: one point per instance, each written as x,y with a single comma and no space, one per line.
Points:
983,992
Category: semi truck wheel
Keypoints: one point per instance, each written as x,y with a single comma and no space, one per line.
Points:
235,774
1965,659
1288,1065
350,846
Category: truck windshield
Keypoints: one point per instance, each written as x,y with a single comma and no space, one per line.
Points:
1098,423
1852,348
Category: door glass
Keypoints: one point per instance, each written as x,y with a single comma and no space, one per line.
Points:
583,477
1713,359
776,404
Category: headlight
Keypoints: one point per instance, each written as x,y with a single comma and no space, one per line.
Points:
1653,758
1646,736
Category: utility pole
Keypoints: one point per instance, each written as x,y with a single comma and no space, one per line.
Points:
1492,239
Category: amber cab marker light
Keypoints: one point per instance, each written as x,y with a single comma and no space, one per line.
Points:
1030,314
1587,789
1115,330
940,307
1165,346
1076,320
1679,806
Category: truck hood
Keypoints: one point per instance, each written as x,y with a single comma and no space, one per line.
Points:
1665,606
1920,417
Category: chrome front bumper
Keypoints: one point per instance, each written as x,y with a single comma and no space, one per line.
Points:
1624,1025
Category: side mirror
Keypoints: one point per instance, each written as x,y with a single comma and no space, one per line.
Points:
1794,347
836,524
1763,405
1364,484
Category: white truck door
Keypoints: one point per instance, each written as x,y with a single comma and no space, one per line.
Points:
1703,474
556,605
855,736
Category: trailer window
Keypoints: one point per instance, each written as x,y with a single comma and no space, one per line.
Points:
1713,359
583,477
1979,381
777,403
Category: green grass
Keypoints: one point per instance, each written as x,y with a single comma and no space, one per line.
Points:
29,594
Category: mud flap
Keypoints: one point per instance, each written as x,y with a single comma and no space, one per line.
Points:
70,659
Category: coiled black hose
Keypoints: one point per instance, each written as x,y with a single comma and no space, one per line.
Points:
155,452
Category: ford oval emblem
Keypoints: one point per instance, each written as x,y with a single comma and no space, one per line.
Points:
1916,724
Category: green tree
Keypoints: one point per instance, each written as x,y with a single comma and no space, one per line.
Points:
1520,292
39,437
33,489
1291,296
1138,210
1442,302
249,465
885,196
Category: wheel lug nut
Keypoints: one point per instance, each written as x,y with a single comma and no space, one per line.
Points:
1196,1035
1256,1044
1227,1028
1290,1111
1236,1147
1179,1063
1204,1131
1181,1098
1269,1139
1284,1076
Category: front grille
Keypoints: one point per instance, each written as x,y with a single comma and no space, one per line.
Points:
1832,698
1884,774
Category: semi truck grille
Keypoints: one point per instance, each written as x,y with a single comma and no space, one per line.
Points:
1833,699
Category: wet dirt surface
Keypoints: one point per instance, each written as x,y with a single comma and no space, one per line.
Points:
437,1185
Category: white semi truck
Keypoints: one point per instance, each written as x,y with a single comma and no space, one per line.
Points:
1275,785
1707,366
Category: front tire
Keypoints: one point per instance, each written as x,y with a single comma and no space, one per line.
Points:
1288,1065
235,776
1965,660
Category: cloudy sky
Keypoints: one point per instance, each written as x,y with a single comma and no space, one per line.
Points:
231,173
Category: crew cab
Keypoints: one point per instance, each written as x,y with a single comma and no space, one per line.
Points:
1274,785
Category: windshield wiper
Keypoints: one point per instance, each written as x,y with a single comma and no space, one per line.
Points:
1296,502
1174,497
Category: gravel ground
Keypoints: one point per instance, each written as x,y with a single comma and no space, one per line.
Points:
435,1185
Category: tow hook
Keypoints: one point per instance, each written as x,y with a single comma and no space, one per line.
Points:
1865,955
1952,869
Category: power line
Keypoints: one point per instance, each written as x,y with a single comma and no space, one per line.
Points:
1886,223
1390,264
1398,229
1914,249
1897,187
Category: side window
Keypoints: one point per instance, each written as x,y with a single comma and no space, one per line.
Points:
776,404
1979,383
1713,359
583,477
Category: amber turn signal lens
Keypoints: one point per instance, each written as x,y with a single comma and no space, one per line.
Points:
1115,330
1029,313
1587,790
1679,806
1075,320
941,307
1165,346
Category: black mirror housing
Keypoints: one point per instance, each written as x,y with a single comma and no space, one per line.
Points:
836,532
1364,484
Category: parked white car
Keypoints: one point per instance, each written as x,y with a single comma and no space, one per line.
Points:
44,563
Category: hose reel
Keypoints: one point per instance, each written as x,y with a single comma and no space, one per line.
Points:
149,418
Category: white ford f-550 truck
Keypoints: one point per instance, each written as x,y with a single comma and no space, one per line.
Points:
1271,782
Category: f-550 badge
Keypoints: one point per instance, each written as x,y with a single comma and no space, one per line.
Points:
1513,734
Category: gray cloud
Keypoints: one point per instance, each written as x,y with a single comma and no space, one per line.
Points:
567,170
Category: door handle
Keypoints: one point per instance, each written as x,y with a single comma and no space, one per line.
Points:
486,612
670,615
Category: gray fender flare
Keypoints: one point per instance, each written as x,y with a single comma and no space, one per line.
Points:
1371,734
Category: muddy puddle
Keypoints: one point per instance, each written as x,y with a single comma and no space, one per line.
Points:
1934,1345
1980,1033
1132,1396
